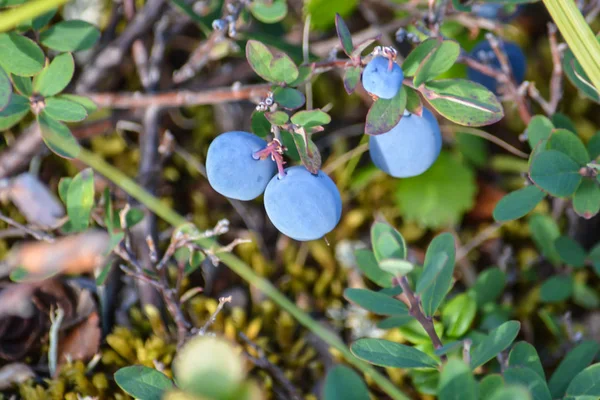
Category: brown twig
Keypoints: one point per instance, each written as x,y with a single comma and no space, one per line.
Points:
415,311
556,81
112,56
487,136
263,362
25,229
213,317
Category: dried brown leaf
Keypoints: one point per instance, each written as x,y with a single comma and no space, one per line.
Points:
36,202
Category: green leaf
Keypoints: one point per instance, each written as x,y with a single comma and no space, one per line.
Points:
595,258
23,85
411,64
377,303
570,251
71,35
450,189
396,267
351,78
544,232
556,173
259,57
20,55
143,382
283,69
593,146
311,118
539,128
344,35
561,121
367,263
58,137
269,11
585,296
437,62
473,148
524,355
458,315
323,12
413,102
277,117
436,279
586,200
489,385
391,354
304,73
573,363
498,340
342,383
586,383
56,76
457,382
287,139
43,20
385,114
14,112
394,322
414,332
517,204
310,157
489,286
511,393
63,188
569,144
387,242
80,200
463,102
260,125
288,98
534,383
64,110
5,89
578,76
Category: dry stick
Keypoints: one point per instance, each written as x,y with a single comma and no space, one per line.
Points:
213,317
56,319
556,81
415,311
112,56
487,136
263,362
25,229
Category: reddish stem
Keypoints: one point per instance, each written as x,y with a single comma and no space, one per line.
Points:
274,150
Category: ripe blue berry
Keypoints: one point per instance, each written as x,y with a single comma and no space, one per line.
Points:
303,206
231,168
377,79
410,148
484,53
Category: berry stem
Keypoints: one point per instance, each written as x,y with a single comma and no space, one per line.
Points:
274,150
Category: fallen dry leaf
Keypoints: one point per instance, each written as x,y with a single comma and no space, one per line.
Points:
14,373
487,198
36,202
82,342
74,254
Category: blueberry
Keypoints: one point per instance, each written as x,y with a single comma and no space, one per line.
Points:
231,168
303,206
410,148
484,53
378,80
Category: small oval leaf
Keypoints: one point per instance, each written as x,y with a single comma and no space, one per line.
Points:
20,55
377,303
143,382
58,137
391,354
385,114
517,204
496,341
56,76
71,35
556,173
342,383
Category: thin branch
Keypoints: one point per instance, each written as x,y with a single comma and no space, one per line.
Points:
415,311
478,240
25,229
487,136
56,318
263,362
213,317
179,98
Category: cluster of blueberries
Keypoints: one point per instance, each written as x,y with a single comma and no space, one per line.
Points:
306,206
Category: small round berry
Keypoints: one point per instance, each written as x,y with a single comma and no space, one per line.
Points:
409,148
302,205
232,169
379,80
